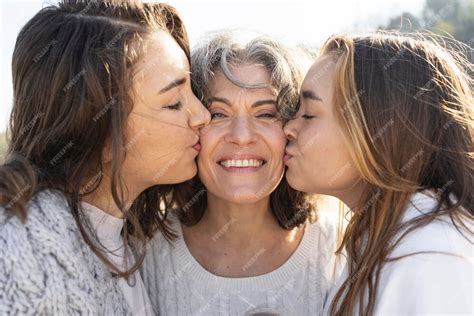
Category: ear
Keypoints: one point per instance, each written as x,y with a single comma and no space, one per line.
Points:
107,151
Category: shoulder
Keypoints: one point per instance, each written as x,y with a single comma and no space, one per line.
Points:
48,225
324,235
439,235
430,283
432,266
50,205
37,257
159,250
159,244
48,214
160,266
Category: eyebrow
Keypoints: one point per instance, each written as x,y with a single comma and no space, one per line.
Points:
174,84
308,94
254,105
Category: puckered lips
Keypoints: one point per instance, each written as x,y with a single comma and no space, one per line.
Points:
288,155
197,145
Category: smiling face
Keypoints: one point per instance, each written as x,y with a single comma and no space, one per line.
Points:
164,123
242,149
317,156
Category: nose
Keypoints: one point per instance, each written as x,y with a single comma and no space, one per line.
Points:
199,116
242,132
290,130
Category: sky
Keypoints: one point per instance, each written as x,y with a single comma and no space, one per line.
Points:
307,22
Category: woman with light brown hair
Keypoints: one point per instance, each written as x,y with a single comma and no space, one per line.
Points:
103,120
386,124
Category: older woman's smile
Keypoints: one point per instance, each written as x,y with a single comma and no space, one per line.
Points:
238,164
242,149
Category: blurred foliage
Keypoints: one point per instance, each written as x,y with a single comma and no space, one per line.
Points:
443,17
3,145
455,17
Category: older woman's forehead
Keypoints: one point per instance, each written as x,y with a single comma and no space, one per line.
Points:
248,74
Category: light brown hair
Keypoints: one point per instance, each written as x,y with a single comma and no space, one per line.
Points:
405,105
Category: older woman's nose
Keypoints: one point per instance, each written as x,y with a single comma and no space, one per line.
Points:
241,131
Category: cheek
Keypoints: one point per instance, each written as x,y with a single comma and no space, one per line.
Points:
156,136
327,161
312,142
276,140
209,139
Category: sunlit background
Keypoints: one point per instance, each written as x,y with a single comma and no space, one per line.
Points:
307,22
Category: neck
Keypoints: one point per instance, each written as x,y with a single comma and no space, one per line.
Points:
102,197
233,224
352,196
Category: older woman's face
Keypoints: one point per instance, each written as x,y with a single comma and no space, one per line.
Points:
241,159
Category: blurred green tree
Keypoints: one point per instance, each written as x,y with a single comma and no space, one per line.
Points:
453,17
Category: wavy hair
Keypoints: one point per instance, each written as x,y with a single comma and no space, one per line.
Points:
72,92
405,105
286,67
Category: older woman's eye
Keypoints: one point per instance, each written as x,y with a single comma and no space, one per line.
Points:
217,115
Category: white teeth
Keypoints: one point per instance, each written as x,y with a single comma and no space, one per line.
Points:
241,163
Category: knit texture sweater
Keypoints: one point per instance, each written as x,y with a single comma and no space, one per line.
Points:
46,268
179,285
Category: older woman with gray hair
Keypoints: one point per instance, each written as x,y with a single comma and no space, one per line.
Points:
246,243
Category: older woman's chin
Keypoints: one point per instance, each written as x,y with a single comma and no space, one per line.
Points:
243,195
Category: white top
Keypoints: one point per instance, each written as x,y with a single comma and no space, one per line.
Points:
179,285
108,230
430,283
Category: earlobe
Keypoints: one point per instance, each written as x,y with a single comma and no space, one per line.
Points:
106,155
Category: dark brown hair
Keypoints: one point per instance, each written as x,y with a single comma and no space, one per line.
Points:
405,105
72,86
286,67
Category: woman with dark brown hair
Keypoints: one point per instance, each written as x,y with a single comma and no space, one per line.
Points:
246,242
103,118
391,123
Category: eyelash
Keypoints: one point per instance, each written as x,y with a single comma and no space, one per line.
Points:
307,117
265,115
177,106
214,114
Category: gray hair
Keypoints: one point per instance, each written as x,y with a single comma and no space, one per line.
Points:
286,65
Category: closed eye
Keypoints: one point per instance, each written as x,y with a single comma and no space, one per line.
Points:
177,106
267,115
307,117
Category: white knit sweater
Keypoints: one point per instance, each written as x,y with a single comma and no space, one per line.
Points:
179,285
46,268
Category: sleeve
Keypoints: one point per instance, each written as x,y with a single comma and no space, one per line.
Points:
33,277
425,284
